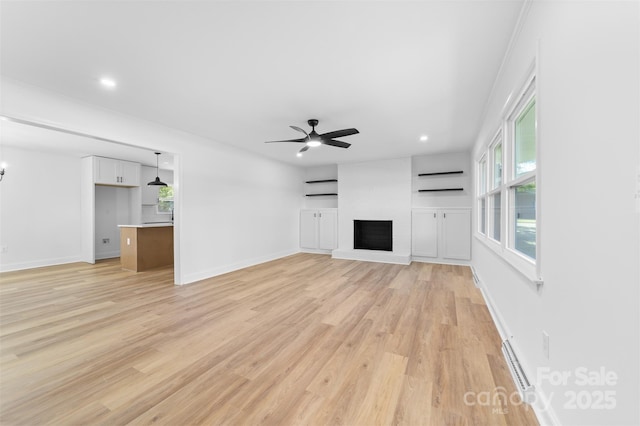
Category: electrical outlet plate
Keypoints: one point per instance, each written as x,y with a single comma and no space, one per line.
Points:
545,344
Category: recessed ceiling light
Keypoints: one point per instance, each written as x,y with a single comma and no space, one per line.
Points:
424,138
108,83
299,154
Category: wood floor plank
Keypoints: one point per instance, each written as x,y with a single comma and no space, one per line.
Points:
302,340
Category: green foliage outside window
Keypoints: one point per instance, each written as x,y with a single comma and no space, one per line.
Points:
165,199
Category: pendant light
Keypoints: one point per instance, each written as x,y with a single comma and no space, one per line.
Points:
157,182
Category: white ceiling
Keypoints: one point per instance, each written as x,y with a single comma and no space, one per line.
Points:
241,72
36,138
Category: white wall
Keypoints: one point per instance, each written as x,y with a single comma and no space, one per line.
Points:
442,163
321,173
40,209
113,208
588,132
233,209
236,209
375,190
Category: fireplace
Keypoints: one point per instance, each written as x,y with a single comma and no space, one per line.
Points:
373,235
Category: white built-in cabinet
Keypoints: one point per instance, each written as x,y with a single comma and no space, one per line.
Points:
440,233
319,229
109,171
424,230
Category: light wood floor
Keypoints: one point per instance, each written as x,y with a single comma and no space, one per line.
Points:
302,340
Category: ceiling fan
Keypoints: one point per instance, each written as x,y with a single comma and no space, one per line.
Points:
314,139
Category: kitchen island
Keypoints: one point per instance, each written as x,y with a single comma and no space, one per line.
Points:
146,246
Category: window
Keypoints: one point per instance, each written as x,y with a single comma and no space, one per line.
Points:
482,199
508,186
522,183
483,176
525,140
483,215
496,215
497,165
524,221
490,199
165,200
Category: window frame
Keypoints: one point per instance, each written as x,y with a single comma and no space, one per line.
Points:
482,194
497,140
505,136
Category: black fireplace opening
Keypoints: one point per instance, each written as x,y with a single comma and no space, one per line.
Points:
373,235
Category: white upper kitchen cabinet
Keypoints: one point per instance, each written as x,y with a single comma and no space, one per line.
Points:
109,171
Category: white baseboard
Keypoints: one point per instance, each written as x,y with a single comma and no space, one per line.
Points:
545,414
108,255
423,259
19,266
373,256
315,251
210,273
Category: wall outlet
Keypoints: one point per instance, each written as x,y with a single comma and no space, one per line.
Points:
545,344
105,241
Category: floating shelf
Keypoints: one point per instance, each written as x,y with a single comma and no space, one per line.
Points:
441,189
322,181
320,195
457,172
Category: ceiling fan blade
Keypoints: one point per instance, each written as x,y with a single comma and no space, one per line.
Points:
303,149
288,140
300,130
339,133
339,144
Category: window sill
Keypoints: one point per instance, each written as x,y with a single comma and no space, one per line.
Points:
525,267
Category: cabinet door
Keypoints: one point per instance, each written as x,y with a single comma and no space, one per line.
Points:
105,171
309,229
456,231
327,229
129,173
424,232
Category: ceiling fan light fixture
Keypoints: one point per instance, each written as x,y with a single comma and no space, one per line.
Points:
313,139
108,83
157,181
